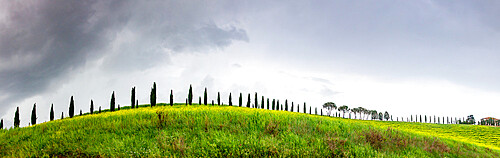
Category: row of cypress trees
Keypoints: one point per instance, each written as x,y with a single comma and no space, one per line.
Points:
135,104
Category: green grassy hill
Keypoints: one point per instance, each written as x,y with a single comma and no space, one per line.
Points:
223,131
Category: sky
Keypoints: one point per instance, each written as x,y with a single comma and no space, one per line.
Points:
406,57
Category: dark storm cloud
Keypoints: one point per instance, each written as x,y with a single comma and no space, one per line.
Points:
41,41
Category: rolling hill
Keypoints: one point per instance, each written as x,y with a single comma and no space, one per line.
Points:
225,131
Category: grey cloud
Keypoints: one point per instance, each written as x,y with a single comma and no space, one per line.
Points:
42,41
322,80
327,92
236,65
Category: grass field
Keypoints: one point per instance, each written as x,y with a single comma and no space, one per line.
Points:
223,131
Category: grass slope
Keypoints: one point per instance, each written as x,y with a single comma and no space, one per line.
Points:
223,131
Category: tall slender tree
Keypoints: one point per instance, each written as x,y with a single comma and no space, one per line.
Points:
17,120
82,113
33,115
118,106
137,103
304,108
291,109
71,107
172,98
240,100
112,102
91,106
1,124
218,98
62,115
278,104
262,103
268,104
190,95
205,96
230,100
310,110
132,99
52,112
152,96
199,101
99,109
248,101
286,104
256,101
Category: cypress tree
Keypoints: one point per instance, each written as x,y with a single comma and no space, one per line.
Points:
152,97
277,104
420,118
190,95
81,110
118,106
304,108
256,101
310,110
268,104
186,101
33,115
315,111
218,98
137,103
17,120
286,104
1,124
205,96
262,103
132,98
230,100
91,107
172,98
213,103
248,101
321,112
112,102
240,100
62,115
52,112
199,100
291,109
274,104
99,109
71,107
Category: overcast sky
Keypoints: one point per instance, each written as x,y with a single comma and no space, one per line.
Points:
405,57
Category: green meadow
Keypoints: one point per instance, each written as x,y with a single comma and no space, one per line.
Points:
226,131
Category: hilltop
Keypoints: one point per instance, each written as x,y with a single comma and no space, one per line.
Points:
225,131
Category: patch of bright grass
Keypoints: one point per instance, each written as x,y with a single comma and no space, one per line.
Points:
224,131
